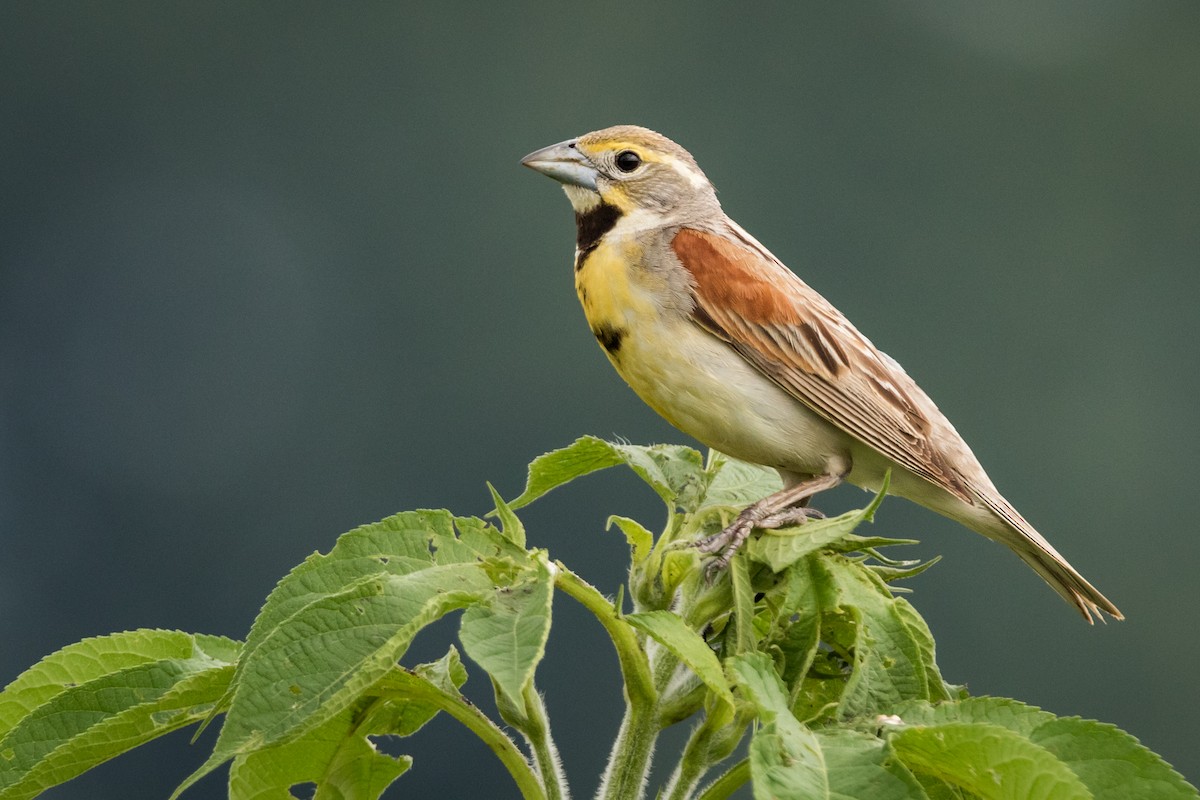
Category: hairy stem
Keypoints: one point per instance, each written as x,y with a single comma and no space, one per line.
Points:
709,743
733,779
629,763
692,765
527,714
545,755
635,669
406,685
677,705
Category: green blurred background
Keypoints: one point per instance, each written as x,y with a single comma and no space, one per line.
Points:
269,271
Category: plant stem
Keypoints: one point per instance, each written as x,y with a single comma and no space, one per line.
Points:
675,707
692,765
545,755
727,784
629,762
635,669
406,685
709,743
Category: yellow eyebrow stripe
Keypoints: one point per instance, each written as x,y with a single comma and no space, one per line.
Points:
646,153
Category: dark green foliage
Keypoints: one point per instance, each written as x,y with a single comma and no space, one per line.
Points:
801,646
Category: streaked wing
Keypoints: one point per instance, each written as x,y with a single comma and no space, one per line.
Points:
795,337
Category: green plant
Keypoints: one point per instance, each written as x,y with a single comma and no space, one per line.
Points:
804,646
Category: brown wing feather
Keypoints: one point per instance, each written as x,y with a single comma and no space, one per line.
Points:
795,337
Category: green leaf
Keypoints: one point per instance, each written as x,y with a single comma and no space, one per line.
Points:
404,718
820,692
936,789
640,540
787,764
911,625
558,467
743,605
360,772
323,657
98,657
788,760
1011,714
781,548
869,544
398,545
507,634
892,648
756,677
101,697
863,766
875,651
902,570
988,761
338,756
676,473
512,527
1110,762
785,758
476,540
669,630
737,483
798,631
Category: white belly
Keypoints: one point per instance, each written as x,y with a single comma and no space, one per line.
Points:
704,388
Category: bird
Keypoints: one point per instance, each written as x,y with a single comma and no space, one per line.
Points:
731,347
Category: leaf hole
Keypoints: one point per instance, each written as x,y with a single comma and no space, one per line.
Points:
303,791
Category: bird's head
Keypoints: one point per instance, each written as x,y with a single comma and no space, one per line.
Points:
630,169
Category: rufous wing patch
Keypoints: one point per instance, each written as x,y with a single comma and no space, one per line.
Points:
753,304
800,341
728,276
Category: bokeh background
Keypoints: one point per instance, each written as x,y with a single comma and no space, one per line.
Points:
270,271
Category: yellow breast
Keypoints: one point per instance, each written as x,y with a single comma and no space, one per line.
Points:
618,298
693,379
610,291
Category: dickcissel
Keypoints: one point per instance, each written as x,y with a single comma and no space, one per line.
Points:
726,343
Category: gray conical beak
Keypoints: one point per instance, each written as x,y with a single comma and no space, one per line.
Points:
564,163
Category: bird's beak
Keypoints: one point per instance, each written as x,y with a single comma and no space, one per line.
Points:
564,163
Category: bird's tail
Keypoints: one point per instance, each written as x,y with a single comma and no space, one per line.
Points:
1035,551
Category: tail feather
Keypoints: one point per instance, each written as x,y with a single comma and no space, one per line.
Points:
1039,554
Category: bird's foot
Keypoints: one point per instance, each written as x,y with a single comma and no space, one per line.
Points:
727,542
724,545
735,533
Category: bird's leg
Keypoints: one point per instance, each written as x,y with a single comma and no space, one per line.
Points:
773,511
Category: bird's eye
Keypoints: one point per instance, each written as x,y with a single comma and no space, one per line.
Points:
628,161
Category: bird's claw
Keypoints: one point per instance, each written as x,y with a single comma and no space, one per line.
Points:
726,543
714,568
716,542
